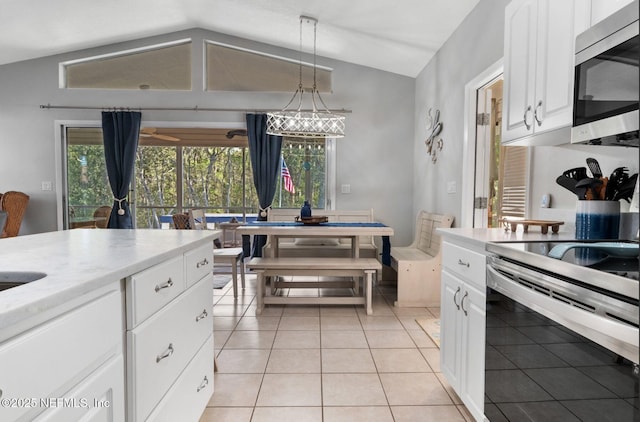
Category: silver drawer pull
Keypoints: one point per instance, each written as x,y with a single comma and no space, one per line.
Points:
164,285
454,298
166,354
203,315
202,386
202,263
464,264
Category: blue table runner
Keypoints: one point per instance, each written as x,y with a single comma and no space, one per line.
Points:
386,243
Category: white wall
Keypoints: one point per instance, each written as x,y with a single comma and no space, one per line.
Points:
375,157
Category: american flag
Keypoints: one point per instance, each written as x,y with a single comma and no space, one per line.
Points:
286,178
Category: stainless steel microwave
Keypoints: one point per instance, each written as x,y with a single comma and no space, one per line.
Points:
606,95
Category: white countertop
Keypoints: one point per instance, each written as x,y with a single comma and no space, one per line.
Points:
79,261
481,236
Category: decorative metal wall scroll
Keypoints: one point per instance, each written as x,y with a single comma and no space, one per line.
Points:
434,143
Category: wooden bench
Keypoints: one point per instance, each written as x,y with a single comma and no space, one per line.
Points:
344,267
418,265
322,247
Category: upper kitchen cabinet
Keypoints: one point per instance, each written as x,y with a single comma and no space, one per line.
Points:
539,46
600,9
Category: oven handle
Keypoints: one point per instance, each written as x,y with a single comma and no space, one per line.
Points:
612,334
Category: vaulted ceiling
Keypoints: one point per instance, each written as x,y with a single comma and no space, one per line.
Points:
398,36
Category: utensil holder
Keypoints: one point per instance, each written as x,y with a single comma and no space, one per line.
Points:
597,219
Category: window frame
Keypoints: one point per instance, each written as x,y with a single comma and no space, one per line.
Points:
61,165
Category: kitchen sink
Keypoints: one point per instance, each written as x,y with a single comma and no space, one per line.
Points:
9,279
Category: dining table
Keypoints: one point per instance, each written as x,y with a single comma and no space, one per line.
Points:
310,266
292,229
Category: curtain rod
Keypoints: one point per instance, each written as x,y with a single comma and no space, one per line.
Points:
196,108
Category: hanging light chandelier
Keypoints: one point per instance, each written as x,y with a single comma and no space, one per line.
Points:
298,123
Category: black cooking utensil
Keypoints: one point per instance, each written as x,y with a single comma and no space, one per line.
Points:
594,166
617,178
625,189
577,173
570,184
590,183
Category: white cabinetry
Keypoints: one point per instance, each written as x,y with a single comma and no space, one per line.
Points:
600,9
169,337
539,47
70,368
462,323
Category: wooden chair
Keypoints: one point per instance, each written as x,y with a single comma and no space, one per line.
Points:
181,221
15,204
101,215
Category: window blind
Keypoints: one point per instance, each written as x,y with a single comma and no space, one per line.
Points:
513,182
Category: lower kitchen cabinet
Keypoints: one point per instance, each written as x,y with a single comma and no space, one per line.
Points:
462,324
54,371
164,348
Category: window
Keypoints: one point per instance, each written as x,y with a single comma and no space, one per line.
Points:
305,160
190,168
235,69
163,67
513,182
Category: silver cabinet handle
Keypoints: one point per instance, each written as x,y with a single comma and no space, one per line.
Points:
203,315
0,393
454,298
164,285
528,126
166,354
535,113
462,303
464,264
202,263
204,383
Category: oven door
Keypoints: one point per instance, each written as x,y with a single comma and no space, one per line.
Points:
545,359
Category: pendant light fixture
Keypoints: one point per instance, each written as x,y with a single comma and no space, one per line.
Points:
297,123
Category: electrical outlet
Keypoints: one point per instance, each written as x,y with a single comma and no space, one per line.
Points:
451,187
47,185
345,188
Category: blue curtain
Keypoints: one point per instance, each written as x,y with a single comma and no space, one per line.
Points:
264,151
120,132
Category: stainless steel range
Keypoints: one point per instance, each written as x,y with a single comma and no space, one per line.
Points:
562,331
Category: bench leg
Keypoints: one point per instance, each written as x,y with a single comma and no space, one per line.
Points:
368,286
260,287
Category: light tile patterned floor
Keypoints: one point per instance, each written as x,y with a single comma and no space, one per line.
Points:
326,364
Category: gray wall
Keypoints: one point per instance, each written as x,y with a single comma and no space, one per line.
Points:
475,46
375,157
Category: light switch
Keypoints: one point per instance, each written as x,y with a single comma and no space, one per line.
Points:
345,188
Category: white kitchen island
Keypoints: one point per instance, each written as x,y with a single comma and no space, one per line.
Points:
120,329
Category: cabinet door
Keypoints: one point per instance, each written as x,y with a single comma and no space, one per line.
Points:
519,69
473,309
450,329
558,24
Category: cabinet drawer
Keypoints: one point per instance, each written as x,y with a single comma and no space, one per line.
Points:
160,348
100,397
464,262
48,360
151,289
188,397
198,263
